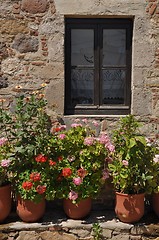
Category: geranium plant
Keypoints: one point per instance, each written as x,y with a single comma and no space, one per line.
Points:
27,128
82,160
154,181
133,158
4,161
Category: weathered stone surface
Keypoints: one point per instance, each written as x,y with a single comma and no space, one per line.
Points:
141,98
80,232
27,235
10,27
135,237
55,95
51,24
140,58
55,69
57,236
24,43
55,46
151,230
121,237
34,6
117,226
3,82
3,236
3,51
10,65
98,7
107,233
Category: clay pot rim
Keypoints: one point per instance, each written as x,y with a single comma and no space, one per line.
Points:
6,185
129,194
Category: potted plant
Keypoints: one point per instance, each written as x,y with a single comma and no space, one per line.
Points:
82,164
154,181
5,186
130,169
27,127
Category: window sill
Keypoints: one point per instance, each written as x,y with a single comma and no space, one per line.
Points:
93,116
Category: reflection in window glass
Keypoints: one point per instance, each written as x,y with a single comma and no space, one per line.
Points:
82,48
114,47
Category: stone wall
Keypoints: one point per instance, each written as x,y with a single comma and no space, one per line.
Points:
32,53
32,50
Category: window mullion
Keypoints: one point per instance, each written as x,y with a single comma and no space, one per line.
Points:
96,66
100,39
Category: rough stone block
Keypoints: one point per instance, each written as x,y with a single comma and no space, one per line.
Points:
56,236
27,235
121,237
34,6
3,82
107,233
24,43
141,104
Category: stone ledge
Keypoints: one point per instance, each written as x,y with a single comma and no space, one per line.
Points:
55,225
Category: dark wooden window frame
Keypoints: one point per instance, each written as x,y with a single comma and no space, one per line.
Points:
98,25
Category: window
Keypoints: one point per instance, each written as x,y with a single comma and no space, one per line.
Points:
98,66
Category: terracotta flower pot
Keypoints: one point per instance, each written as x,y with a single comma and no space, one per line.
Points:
5,202
155,203
29,211
77,211
129,207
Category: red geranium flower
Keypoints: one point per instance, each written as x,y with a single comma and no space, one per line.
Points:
41,189
81,172
59,178
57,129
35,176
66,172
59,158
27,185
52,163
41,158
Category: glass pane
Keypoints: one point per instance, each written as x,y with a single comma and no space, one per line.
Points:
82,47
113,86
114,47
82,86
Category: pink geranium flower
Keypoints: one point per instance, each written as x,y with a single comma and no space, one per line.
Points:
5,163
89,141
74,125
3,141
95,123
156,158
85,120
125,162
77,181
73,195
104,139
110,147
62,136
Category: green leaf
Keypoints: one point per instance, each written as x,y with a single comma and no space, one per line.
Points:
141,139
132,142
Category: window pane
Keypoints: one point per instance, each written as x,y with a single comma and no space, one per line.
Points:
82,86
82,47
114,47
113,86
